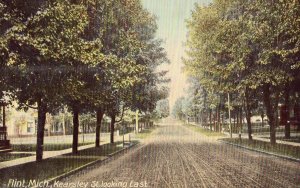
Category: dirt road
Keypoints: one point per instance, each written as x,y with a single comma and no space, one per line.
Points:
177,157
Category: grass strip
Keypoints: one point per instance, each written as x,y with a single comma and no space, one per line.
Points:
52,167
281,149
47,147
205,132
295,139
12,156
145,133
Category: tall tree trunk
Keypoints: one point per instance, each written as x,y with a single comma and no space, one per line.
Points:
112,128
210,119
297,114
201,119
40,131
270,113
99,114
262,119
229,114
287,130
75,130
219,118
64,124
248,113
215,119
3,116
222,123
237,119
4,121
241,122
234,120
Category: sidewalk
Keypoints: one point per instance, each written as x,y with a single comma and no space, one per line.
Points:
255,137
49,154
87,137
260,137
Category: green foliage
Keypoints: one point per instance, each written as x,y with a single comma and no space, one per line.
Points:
249,49
87,55
44,50
129,36
162,108
177,110
229,48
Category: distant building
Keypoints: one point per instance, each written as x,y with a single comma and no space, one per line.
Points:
21,123
24,123
257,119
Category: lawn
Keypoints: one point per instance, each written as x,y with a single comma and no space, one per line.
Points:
281,149
292,139
47,147
205,132
145,133
52,167
12,156
104,150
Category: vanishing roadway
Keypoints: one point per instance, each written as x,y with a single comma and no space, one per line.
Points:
174,156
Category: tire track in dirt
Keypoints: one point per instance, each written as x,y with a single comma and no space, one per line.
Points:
177,157
190,166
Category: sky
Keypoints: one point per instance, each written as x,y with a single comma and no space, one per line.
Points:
171,20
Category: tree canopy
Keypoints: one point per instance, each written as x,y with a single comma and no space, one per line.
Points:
244,48
92,56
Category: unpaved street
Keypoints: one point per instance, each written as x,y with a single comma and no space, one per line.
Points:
174,156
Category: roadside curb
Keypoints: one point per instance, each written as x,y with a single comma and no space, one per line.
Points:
5,150
122,150
261,151
52,180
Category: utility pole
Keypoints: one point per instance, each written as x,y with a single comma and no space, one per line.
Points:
230,127
64,123
123,132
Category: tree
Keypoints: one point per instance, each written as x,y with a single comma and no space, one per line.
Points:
245,46
177,110
131,82
274,31
209,57
57,55
162,108
41,49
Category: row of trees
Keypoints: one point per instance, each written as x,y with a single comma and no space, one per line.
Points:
89,55
162,109
246,52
